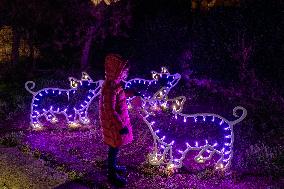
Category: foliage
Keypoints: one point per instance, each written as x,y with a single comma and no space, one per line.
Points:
11,139
263,159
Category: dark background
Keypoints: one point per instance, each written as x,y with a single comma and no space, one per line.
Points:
151,33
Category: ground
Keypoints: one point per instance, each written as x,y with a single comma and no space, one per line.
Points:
85,165
76,158
20,170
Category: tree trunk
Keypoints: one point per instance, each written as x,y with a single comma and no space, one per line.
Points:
31,55
15,47
86,48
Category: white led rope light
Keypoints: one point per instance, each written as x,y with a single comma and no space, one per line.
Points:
157,158
70,111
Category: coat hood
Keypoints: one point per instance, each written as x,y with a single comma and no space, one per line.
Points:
114,64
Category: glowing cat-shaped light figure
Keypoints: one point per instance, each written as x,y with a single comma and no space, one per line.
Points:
163,151
72,103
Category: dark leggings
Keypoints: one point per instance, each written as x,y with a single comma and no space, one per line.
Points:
112,157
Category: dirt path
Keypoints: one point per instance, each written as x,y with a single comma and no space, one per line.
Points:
18,170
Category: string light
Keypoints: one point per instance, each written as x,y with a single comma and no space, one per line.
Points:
48,102
162,79
164,106
200,159
79,110
170,169
164,70
164,154
129,106
160,98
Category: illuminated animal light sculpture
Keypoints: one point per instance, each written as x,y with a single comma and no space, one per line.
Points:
72,103
147,88
163,150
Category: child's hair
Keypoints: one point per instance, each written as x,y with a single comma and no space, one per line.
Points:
118,57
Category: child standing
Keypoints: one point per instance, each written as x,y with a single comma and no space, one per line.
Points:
114,118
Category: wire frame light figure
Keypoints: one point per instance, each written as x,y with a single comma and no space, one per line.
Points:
48,102
76,112
163,151
148,88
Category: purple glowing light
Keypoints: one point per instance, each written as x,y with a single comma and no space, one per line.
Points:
196,144
226,160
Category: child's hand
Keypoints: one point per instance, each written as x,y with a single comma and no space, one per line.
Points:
136,102
124,131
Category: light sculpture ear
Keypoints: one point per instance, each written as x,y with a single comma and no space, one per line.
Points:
155,75
178,103
73,82
85,77
164,70
161,94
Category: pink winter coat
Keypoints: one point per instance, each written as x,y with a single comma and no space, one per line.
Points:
113,108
